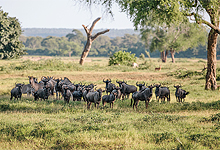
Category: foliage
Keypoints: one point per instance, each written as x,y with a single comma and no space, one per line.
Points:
10,30
122,58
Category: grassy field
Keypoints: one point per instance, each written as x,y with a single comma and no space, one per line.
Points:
52,124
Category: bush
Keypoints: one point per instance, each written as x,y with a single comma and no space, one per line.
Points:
122,58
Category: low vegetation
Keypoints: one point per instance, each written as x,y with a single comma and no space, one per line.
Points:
53,124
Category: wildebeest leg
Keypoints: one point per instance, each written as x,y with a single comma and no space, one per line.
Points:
97,105
136,104
104,104
131,102
88,105
146,103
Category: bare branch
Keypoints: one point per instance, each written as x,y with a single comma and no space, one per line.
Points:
93,24
86,29
99,33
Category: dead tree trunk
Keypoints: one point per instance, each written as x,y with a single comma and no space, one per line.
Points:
90,39
172,52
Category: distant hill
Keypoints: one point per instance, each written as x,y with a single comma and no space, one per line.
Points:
59,32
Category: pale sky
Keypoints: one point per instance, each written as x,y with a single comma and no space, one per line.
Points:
62,14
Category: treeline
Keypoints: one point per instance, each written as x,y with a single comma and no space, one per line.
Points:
73,44
44,32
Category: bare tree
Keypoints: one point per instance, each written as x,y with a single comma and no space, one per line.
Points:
90,39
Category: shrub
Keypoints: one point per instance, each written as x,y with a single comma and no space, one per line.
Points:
123,58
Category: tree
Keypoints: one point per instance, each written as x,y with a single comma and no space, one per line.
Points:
33,42
174,38
90,39
174,12
10,31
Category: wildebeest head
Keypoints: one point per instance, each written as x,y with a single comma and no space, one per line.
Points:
177,86
107,82
140,85
120,82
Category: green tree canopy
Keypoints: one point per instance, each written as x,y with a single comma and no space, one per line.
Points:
10,31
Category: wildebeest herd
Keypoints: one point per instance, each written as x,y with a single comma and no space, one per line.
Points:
47,86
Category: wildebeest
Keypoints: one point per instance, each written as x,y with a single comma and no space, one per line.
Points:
110,98
16,92
127,89
42,93
50,82
109,87
94,97
144,95
58,88
141,86
77,95
118,92
180,93
26,89
66,94
36,86
162,92
85,92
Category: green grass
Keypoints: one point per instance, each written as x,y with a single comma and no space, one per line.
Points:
52,124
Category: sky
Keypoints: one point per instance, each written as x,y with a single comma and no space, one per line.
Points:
63,14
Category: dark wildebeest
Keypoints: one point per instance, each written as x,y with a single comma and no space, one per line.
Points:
110,98
94,97
109,87
16,92
58,88
42,93
162,93
144,95
141,86
180,94
77,95
127,89
66,94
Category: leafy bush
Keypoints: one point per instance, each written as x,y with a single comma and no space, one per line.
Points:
122,58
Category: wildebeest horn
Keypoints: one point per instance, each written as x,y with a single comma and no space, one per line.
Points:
117,80
104,80
144,84
137,83
110,80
